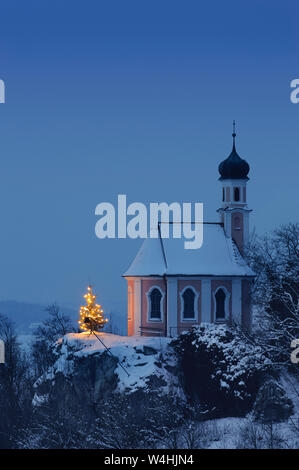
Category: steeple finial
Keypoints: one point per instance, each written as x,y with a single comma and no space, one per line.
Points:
234,133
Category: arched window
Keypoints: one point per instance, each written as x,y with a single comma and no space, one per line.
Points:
188,299
155,304
237,222
220,304
237,194
223,194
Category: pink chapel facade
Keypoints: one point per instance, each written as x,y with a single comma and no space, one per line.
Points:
171,289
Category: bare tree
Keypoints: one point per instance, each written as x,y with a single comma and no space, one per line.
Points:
253,435
56,325
53,327
15,385
275,259
192,435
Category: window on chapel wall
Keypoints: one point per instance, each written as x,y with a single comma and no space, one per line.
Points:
237,222
189,307
237,194
155,304
220,304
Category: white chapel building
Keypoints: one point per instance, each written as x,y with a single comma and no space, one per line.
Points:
171,288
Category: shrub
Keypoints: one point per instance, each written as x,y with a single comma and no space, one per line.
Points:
220,368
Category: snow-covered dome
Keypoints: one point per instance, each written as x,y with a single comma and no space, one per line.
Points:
233,167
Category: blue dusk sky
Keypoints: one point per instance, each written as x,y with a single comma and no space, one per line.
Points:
137,98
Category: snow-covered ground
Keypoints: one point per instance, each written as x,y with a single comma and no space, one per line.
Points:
234,433
142,357
89,343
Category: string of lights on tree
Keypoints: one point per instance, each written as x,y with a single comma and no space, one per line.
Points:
92,319
91,315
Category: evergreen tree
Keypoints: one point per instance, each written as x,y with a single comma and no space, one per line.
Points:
91,315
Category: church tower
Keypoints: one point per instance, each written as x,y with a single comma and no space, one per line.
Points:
234,213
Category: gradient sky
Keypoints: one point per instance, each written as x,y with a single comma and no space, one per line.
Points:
134,97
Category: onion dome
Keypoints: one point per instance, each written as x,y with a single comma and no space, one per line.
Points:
233,167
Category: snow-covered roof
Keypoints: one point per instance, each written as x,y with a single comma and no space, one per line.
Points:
218,256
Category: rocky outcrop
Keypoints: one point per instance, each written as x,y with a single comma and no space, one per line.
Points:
212,365
86,371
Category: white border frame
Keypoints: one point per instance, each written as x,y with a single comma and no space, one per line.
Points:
226,304
195,318
148,293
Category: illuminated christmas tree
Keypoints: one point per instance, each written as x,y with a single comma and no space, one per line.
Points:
91,315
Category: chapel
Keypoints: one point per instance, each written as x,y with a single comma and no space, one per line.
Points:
171,288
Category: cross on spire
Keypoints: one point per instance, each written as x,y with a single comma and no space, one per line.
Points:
234,132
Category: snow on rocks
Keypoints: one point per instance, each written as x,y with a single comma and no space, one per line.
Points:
221,367
131,364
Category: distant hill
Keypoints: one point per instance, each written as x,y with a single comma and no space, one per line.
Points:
27,316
